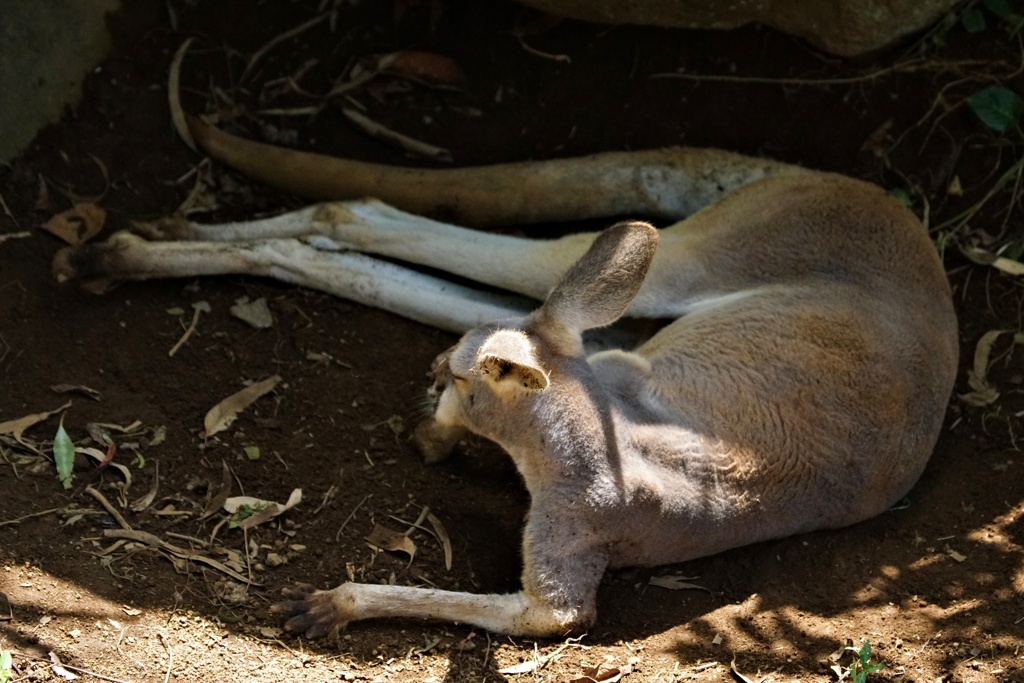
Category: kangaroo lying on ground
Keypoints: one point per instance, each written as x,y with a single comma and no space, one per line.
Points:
801,386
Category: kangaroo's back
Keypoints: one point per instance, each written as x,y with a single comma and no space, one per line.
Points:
818,354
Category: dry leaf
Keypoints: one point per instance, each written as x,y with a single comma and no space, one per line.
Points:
145,501
428,67
258,510
675,583
224,413
959,557
17,427
256,313
76,389
982,392
595,674
395,541
442,535
78,224
58,668
745,679
217,499
987,258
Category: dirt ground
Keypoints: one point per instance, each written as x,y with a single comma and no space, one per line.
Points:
936,585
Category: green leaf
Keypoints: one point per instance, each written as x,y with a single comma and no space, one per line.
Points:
1018,338
902,196
1000,8
6,663
998,108
63,455
252,452
973,20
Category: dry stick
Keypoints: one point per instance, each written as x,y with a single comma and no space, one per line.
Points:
19,520
411,145
109,508
170,655
337,536
76,668
7,210
905,67
188,332
281,38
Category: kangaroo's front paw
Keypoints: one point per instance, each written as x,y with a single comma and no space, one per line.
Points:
315,613
435,441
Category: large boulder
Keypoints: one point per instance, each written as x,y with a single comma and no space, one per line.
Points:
842,27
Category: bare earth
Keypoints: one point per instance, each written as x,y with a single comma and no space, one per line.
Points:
937,585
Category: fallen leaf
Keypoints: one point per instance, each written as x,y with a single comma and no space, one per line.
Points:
76,389
595,674
250,511
58,668
63,455
442,535
982,392
955,188
394,541
17,427
252,452
224,413
217,500
78,224
675,583
427,67
255,313
145,501
745,679
959,557
987,258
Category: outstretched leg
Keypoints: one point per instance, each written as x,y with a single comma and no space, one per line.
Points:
560,600
315,264
514,264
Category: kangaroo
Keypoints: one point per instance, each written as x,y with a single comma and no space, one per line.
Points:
801,383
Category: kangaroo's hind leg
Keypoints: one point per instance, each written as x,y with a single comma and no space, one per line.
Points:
314,263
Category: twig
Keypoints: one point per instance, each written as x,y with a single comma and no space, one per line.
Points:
905,67
174,97
170,655
327,498
196,310
258,55
79,669
109,508
411,145
7,210
19,520
337,536
564,59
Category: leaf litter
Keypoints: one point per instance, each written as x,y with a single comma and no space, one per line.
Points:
226,412
983,392
16,428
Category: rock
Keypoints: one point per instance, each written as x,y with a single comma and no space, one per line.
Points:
842,27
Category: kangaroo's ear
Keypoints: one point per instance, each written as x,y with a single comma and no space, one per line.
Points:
597,289
507,359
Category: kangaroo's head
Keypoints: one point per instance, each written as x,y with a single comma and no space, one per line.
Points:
489,383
